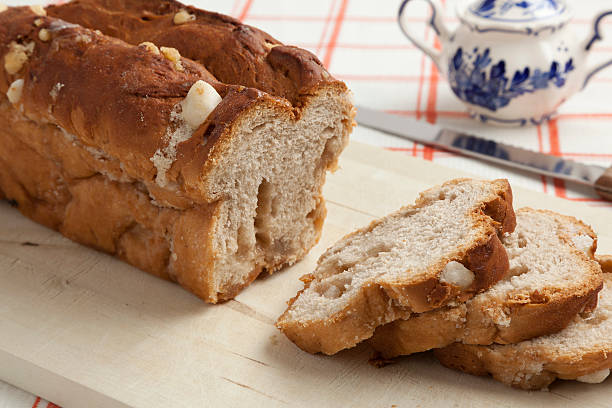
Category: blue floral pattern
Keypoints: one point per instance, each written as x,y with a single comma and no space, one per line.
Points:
474,78
513,10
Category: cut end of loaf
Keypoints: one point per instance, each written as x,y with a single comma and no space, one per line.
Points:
268,180
395,266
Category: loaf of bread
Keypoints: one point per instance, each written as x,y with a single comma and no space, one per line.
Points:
140,152
552,278
582,351
443,249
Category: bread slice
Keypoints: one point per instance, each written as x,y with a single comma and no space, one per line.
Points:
413,260
582,351
552,278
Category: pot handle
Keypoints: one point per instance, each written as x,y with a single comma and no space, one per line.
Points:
596,37
436,22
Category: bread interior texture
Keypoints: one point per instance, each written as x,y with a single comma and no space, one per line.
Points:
405,247
269,186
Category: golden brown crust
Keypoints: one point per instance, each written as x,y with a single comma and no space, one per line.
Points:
502,211
382,302
583,349
93,112
347,328
138,91
605,261
436,330
504,367
235,53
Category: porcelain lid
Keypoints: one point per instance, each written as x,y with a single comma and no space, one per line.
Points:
515,12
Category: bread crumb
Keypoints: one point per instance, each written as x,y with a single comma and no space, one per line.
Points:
584,243
55,90
83,38
185,118
152,48
38,22
178,131
17,56
69,136
172,54
58,25
183,17
44,35
378,361
15,91
38,10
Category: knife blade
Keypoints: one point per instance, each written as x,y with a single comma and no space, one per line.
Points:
595,176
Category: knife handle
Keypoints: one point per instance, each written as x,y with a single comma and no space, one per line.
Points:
605,181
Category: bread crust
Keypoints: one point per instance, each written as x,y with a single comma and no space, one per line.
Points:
489,263
505,366
235,53
79,160
605,261
382,302
433,330
534,364
537,313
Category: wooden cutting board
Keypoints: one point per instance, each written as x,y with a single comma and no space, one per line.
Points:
83,329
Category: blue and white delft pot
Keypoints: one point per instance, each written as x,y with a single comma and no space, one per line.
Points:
512,62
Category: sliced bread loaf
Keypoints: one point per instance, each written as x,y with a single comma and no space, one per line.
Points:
444,248
552,278
582,351
141,153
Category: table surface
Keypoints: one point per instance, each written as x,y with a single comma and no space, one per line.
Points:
359,42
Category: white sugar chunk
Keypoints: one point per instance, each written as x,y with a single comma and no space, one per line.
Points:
15,91
596,377
457,274
201,100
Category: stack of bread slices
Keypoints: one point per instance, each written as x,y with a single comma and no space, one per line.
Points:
519,296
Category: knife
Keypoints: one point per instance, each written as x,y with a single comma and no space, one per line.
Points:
597,177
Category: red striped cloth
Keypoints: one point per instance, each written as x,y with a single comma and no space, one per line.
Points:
360,43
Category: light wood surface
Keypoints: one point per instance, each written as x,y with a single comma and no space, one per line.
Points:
85,330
